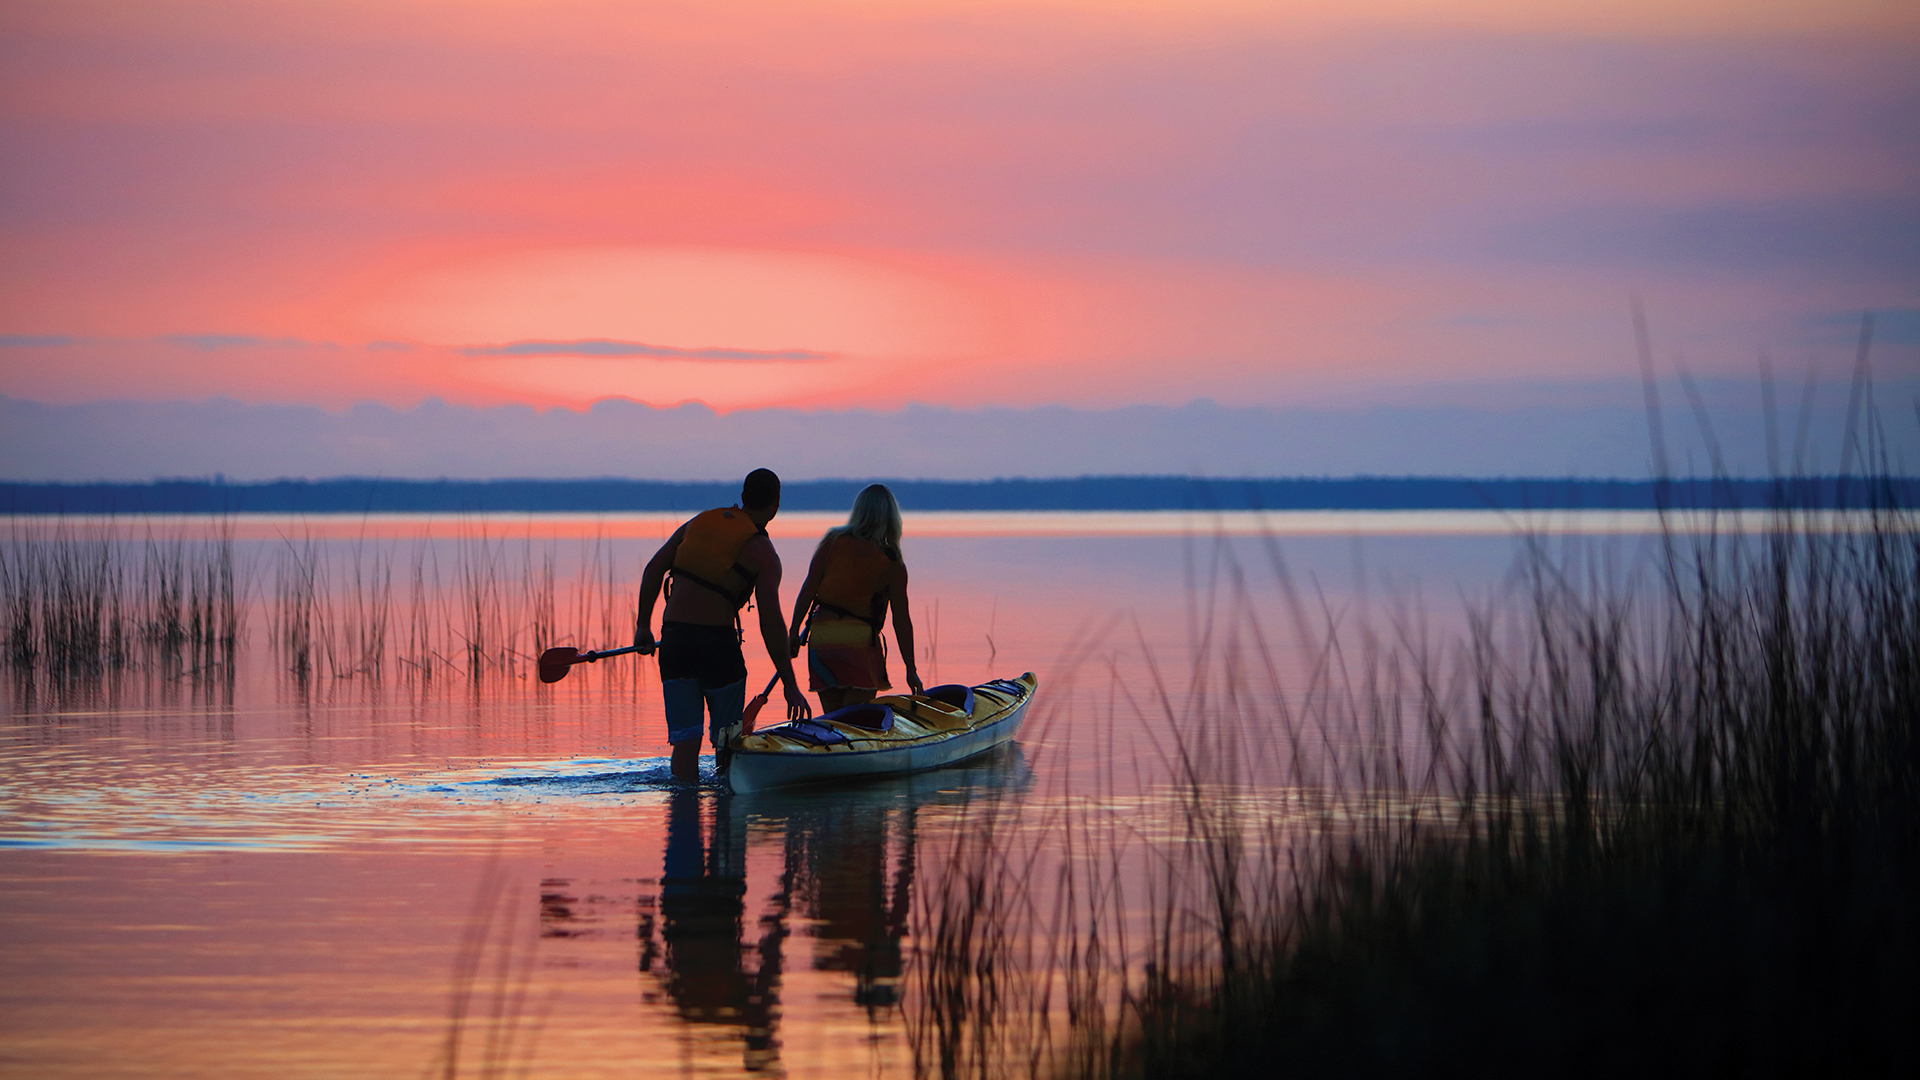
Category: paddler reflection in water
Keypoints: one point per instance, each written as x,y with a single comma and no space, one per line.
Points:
835,865
718,561
856,575
702,905
860,909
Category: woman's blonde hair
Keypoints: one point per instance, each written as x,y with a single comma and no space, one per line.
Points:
875,519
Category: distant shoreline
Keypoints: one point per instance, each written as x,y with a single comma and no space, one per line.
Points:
356,495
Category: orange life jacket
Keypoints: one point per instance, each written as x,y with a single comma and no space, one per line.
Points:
710,551
854,582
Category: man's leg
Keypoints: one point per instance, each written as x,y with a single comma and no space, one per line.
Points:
686,761
685,708
725,704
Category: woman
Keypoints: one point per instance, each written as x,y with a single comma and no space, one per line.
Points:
856,575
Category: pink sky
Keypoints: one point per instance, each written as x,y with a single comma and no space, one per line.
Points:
828,204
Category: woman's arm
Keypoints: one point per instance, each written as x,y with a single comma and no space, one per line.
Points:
767,594
903,626
803,602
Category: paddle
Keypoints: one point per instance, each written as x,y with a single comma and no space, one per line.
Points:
724,738
556,662
752,711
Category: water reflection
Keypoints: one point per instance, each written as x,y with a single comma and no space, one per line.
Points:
701,907
857,868
773,919
832,868
160,674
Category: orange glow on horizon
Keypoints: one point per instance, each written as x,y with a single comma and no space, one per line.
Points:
957,202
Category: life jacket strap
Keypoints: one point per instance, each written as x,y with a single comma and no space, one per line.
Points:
737,599
874,622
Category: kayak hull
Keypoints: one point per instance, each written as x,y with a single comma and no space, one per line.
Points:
767,761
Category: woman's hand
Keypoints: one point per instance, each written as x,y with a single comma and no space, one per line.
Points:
794,641
914,683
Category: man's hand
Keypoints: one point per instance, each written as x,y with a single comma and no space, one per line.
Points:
643,639
798,707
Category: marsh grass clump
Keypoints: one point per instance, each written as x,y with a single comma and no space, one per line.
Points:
1658,818
62,607
979,1007
483,612
85,602
1687,843
82,602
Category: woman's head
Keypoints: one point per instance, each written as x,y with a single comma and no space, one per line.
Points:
875,518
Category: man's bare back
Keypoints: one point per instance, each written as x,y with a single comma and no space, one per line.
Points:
706,666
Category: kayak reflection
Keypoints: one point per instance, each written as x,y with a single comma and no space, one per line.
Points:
847,861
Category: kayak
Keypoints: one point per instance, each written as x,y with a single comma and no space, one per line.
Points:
898,733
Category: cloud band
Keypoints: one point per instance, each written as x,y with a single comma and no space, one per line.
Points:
621,349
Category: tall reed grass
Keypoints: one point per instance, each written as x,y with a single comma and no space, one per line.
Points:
83,602
494,1023
1650,816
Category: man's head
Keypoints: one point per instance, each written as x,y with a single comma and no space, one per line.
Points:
760,496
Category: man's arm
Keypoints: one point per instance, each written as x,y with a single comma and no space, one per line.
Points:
773,630
651,581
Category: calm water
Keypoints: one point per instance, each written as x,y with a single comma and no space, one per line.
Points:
298,867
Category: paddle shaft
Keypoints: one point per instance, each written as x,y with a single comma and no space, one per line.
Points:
557,661
590,657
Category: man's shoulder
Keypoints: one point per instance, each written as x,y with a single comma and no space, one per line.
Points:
759,548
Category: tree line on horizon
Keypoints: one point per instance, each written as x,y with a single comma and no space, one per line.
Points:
372,495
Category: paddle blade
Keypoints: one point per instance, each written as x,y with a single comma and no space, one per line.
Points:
556,662
751,713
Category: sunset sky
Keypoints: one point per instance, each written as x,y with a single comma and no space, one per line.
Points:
834,204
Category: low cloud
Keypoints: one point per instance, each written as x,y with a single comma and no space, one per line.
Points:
619,349
1579,431
237,341
1891,326
1870,235
36,341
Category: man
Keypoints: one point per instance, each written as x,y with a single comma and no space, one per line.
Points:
718,560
